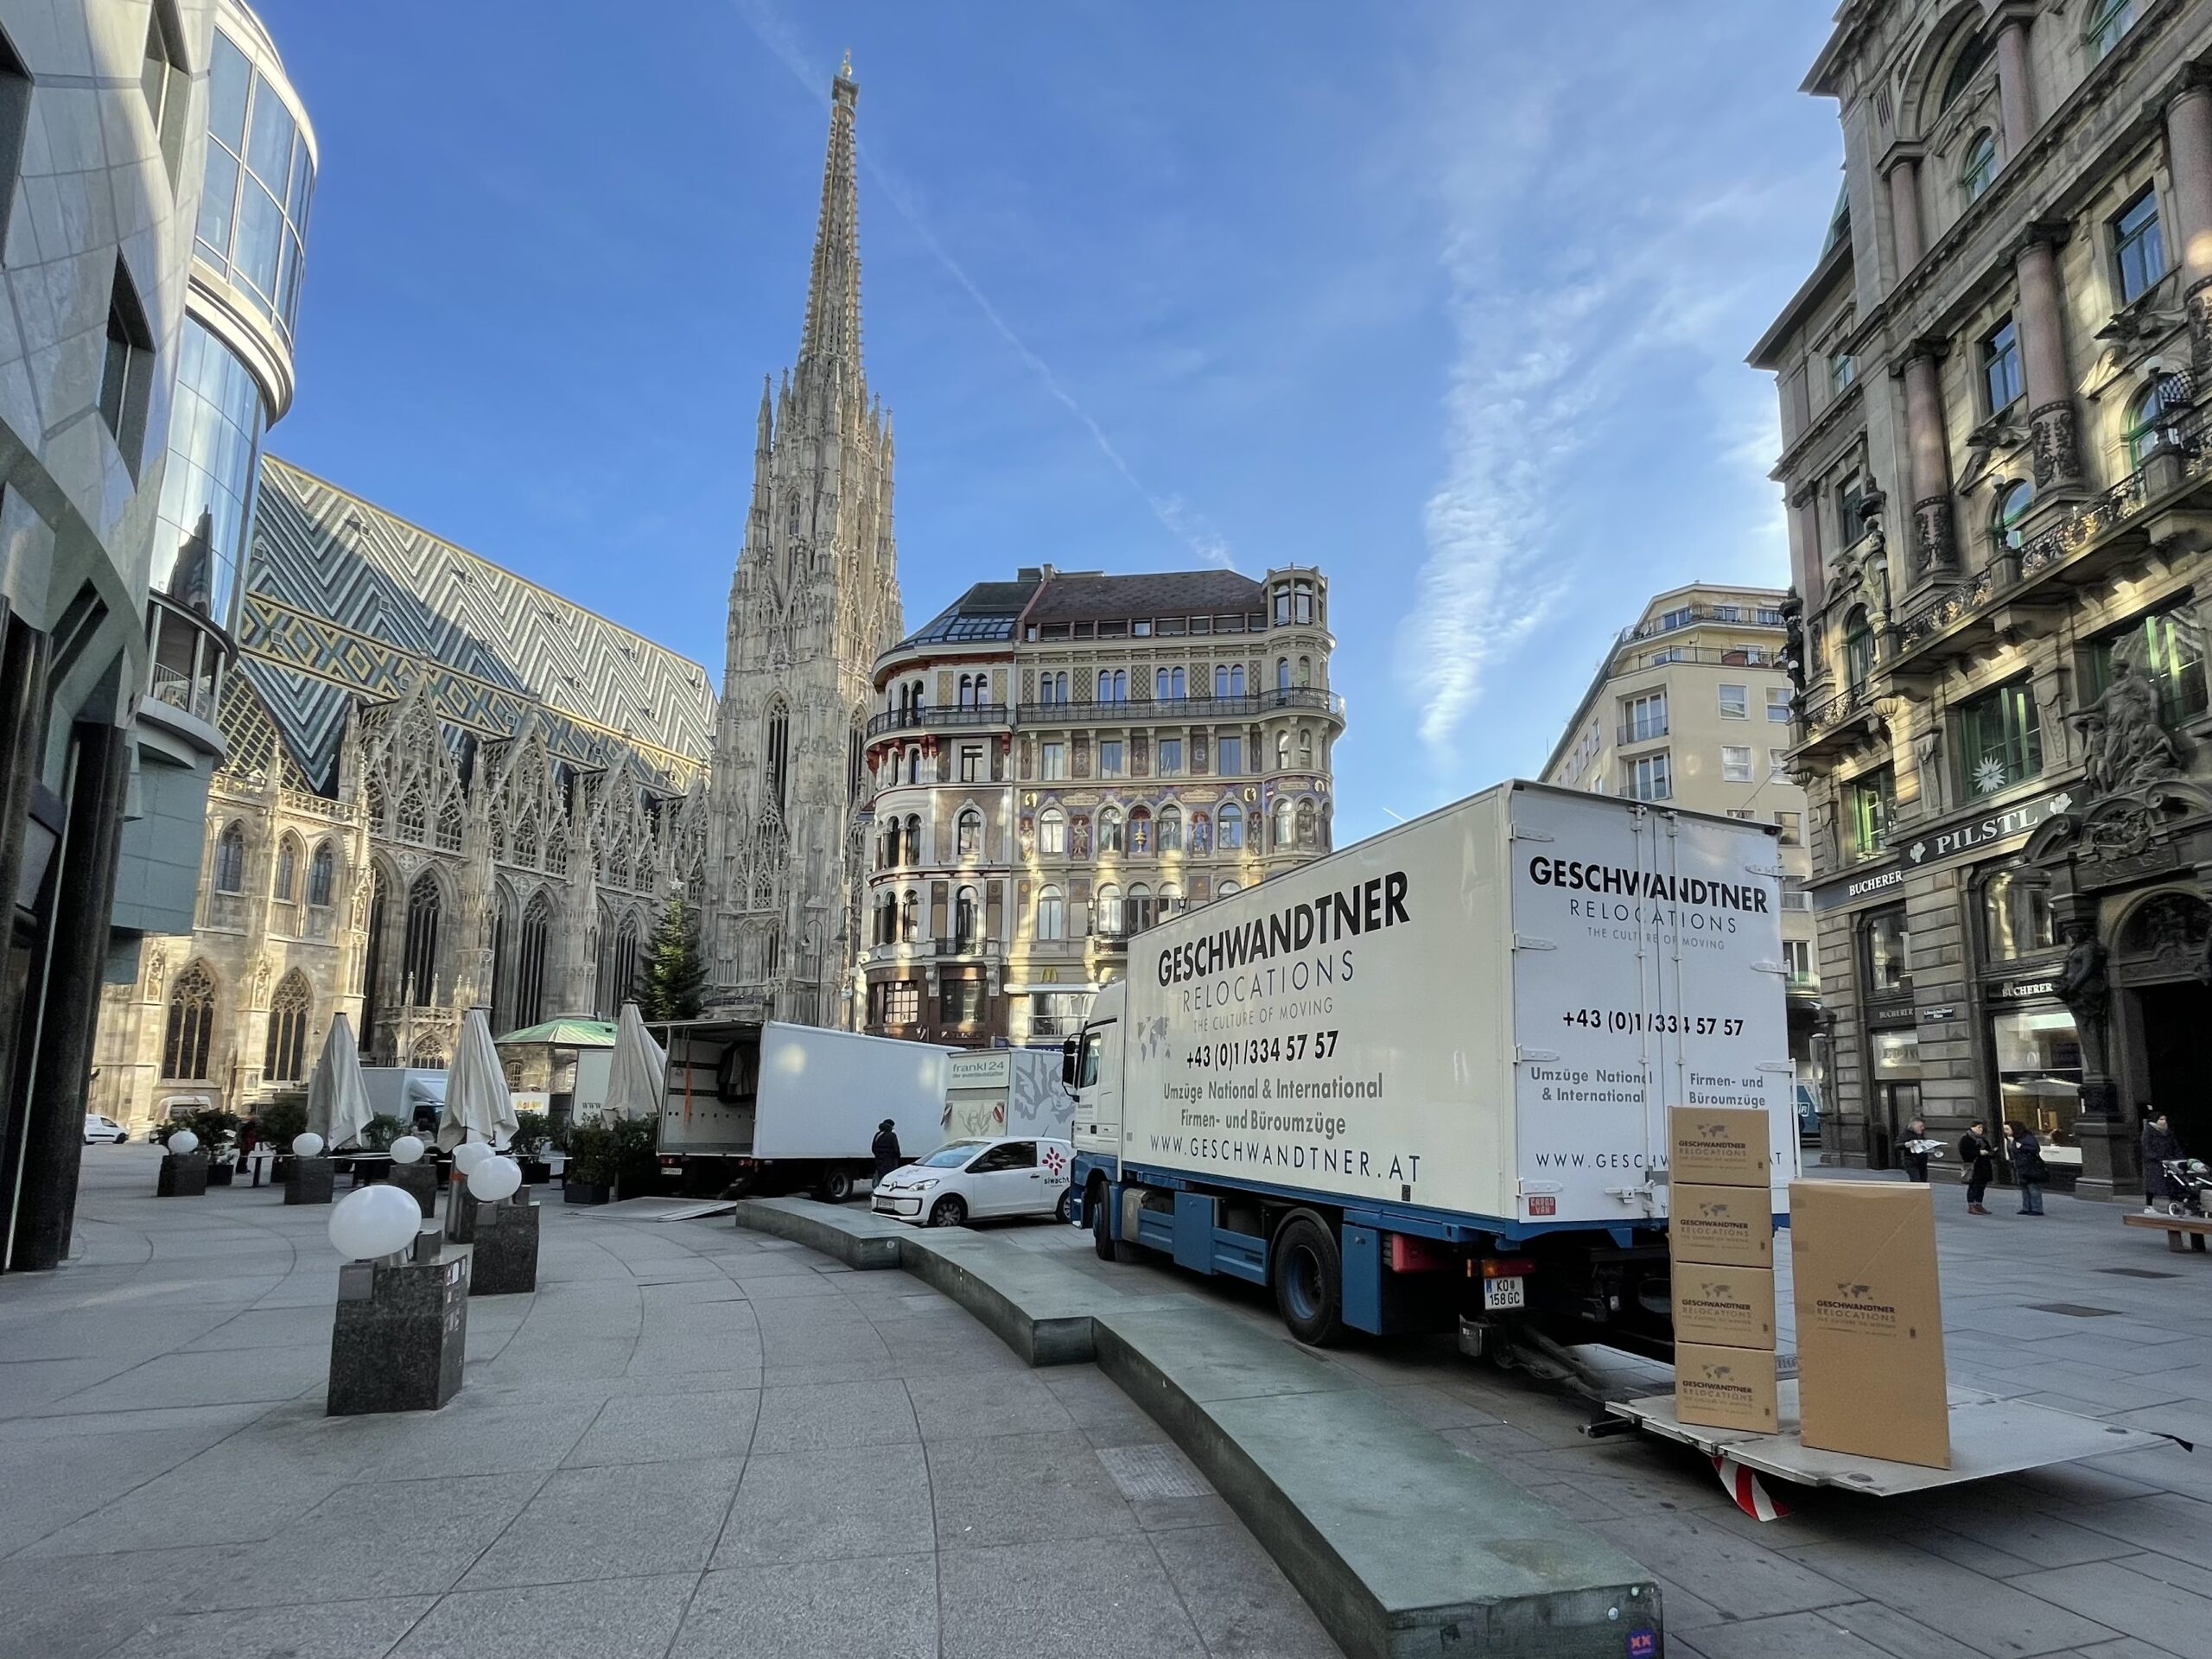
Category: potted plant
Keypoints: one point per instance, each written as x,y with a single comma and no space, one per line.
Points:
590,1178
527,1145
636,1157
215,1128
277,1122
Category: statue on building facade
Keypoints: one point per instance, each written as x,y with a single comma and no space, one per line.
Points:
2125,740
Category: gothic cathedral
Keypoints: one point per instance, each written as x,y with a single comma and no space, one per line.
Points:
814,599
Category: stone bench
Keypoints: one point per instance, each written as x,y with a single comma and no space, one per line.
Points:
2176,1228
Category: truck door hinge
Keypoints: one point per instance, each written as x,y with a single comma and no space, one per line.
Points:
1774,968
1791,1066
1528,942
1775,871
1532,1056
1520,833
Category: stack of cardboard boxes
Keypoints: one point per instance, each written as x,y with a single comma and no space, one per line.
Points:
1721,1218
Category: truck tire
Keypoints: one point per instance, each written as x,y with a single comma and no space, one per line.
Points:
834,1187
951,1210
1109,1249
1306,1272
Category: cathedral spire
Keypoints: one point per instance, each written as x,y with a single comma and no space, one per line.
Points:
833,293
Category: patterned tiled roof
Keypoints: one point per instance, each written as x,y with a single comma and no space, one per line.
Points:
1165,592
346,600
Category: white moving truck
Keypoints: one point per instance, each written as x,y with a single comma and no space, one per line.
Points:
994,1092
1425,1078
757,1107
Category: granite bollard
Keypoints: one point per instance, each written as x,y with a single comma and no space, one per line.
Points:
182,1178
460,1210
421,1181
401,1328
311,1180
505,1261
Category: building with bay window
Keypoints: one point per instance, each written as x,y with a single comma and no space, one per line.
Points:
1994,453
1060,762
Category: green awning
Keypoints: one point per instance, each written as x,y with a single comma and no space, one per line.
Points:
566,1033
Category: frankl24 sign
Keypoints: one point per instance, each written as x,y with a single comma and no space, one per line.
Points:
1944,846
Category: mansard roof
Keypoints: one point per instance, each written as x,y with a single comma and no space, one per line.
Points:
345,600
1085,596
986,612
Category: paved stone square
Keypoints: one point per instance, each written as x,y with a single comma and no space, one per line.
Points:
690,1440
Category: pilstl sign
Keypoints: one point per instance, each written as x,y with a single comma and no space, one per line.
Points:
1946,846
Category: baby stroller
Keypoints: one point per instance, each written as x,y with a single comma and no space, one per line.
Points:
2188,1181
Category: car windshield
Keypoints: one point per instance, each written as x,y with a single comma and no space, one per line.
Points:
953,1156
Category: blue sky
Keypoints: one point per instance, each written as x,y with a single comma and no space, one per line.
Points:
1451,299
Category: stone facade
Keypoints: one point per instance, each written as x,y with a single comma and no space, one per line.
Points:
814,599
443,786
1060,761
1997,470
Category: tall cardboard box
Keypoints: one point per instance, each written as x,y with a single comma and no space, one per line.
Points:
1726,1226
1719,1146
1719,1306
1870,1320
1726,1388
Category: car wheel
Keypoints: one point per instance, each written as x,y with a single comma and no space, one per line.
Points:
1307,1273
837,1186
948,1211
1064,1211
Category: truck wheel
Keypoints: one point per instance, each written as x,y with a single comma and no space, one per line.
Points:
949,1212
1109,1249
835,1186
1308,1277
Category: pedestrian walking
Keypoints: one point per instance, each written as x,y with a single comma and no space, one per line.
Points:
2030,1173
886,1148
1913,1149
248,1139
2160,1144
1977,1158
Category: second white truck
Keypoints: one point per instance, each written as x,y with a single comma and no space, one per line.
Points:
1426,1079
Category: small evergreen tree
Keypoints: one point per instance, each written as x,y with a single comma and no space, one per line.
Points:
672,978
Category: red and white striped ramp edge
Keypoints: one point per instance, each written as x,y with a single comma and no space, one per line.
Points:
1750,1495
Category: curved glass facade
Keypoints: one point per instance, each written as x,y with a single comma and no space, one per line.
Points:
259,179
215,432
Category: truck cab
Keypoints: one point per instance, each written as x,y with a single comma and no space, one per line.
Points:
1090,1066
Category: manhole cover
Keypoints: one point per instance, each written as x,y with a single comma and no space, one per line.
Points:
1145,1473
2137,1273
2072,1310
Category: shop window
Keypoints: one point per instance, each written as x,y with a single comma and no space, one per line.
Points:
2016,919
964,1003
2039,1074
2000,741
898,1002
2169,647
1887,947
1872,802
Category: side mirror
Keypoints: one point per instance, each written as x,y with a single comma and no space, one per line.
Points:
1070,1051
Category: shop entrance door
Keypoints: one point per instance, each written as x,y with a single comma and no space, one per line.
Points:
2177,1058
1895,1105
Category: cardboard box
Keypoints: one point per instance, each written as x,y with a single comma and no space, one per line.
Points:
1723,1226
1724,1388
1719,1147
1719,1306
1870,1320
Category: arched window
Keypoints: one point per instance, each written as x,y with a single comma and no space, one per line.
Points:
1283,751
967,693
321,870
1282,673
412,821
1309,825
1140,831
1201,833
1109,832
430,1054
556,853
2108,20
450,824
2011,507
1232,826
1121,685
1171,900
1052,833
1964,68
1137,912
419,959
1105,685
1051,914
287,1030
285,887
779,753
1306,751
1980,167
1109,912
1226,890
1171,829
1044,688
968,842
1286,826
618,973
2147,415
372,958
191,1024
1160,685
1305,671
1237,680
230,859
910,917
1221,679
1858,648
967,914
913,838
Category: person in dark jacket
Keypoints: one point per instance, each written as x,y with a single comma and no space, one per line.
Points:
1976,1157
2160,1143
1915,1163
886,1148
2028,1172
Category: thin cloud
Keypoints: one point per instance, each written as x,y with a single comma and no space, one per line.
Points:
1178,519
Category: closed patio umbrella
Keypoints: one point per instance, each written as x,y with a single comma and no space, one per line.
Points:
338,1100
478,1103
633,1080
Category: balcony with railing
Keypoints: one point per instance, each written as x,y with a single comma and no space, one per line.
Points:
1641,731
939,716
196,697
1688,616
1134,711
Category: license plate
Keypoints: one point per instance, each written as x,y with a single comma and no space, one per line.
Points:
1502,1292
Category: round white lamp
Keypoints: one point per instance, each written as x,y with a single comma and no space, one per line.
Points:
407,1149
469,1153
374,1221
183,1144
495,1179
307,1146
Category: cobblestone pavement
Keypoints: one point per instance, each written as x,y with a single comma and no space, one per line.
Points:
2111,1558
689,1442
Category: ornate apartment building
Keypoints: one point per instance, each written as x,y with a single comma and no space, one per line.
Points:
1692,707
443,786
1994,452
1060,761
814,599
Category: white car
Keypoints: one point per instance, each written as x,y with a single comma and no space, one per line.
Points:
979,1180
97,1128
